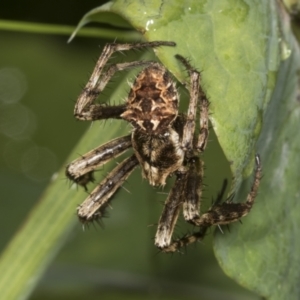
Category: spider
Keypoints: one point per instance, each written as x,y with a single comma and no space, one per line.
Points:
164,141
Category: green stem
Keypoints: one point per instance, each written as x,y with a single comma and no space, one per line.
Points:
107,33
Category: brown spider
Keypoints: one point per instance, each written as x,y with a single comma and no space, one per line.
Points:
164,143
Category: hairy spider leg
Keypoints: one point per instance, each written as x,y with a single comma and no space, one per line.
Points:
81,169
193,189
187,142
187,190
203,130
170,213
192,196
197,99
228,212
85,108
186,240
197,236
220,214
94,206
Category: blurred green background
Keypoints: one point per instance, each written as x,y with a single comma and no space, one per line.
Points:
40,79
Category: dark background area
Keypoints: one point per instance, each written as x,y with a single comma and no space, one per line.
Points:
62,12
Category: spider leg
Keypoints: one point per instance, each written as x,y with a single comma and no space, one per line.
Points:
186,240
197,98
191,184
85,109
170,213
187,142
194,179
94,206
192,196
219,214
200,234
81,169
203,130
192,191
229,212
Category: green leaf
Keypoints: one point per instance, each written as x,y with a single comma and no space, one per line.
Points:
263,254
103,14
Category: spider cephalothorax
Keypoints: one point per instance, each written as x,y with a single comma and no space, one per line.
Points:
165,143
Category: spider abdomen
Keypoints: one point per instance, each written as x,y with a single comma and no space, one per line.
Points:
158,155
152,103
